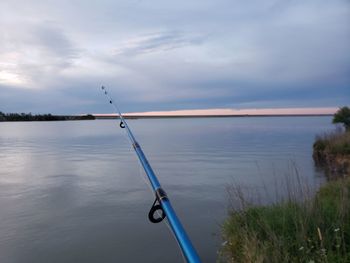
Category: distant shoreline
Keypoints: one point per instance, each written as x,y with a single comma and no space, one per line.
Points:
50,117
205,116
26,117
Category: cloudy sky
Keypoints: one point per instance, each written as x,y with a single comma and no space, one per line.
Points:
172,55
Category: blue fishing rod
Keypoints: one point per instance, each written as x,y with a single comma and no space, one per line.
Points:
161,206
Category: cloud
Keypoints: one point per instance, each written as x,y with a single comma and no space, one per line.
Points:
52,39
156,42
166,56
34,54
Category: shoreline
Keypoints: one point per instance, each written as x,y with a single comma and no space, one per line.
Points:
23,117
206,116
135,117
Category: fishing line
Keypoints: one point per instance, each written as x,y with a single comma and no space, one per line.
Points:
161,206
143,176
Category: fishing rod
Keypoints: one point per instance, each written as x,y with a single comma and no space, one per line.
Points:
161,205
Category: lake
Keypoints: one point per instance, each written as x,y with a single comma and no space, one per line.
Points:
73,191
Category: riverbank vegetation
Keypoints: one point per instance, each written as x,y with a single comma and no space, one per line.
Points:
302,227
343,116
331,151
312,230
41,117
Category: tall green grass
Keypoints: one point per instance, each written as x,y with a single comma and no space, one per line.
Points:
297,229
332,152
335,143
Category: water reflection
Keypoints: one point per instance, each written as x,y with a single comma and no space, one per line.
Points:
74,191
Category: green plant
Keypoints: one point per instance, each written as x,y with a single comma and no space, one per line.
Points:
343,116
313,230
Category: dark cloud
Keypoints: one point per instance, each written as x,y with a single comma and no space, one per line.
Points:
171,55
53,40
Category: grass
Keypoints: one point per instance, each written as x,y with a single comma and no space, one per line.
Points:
313,230
335,143
303,227
332,152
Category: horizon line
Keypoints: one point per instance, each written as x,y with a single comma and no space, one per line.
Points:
228,112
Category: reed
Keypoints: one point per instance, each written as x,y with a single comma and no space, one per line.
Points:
295,229
332,152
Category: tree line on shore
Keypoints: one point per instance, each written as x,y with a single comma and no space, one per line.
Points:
41,117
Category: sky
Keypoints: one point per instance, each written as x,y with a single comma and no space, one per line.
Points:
173,55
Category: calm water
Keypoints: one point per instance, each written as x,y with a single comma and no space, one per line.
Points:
74,191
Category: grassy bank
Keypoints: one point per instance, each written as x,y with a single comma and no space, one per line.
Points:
299,229
316,230
332,151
